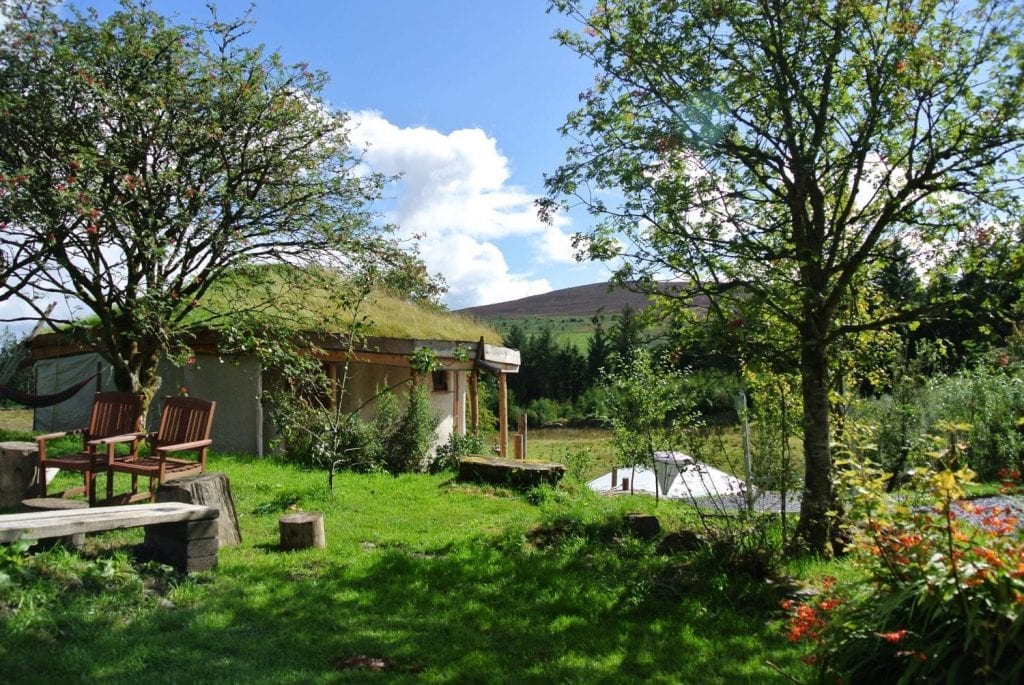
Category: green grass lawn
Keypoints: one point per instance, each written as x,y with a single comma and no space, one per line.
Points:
425,578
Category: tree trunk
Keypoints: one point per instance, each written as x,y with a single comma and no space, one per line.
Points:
135,370
814,531
212,490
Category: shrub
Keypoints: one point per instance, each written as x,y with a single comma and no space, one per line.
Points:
546,412
900,422
942,598
397,440
314,435
446,456
712,391
403,436
642,402
579,463
774,418
991,400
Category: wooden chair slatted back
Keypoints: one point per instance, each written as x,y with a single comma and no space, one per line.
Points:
114,413
184,419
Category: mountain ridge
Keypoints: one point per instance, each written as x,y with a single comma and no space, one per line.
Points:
580,300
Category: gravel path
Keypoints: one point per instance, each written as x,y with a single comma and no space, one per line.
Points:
1010,504
772,502
763,502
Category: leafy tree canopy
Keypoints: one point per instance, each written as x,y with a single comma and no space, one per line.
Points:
145,160
770,154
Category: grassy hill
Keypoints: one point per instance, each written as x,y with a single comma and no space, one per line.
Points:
567,312
581,301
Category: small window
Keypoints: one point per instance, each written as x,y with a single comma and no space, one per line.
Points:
440,379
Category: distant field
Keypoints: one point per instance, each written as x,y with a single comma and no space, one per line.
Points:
556,444
574,330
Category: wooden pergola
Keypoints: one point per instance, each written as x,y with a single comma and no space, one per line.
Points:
473,357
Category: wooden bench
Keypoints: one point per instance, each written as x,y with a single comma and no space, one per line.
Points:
179,534
513,472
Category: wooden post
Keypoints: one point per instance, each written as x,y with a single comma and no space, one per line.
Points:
517,445
474,401
302,530
458,409
502,415
522,432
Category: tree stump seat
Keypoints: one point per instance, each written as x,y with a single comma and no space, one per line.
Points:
18,462
302,530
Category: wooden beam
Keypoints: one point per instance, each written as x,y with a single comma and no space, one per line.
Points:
382,358
502,415
458,411
474,401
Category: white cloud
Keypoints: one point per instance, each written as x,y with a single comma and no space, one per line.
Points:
477,272
455,191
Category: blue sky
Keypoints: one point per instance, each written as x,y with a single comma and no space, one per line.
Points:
464,97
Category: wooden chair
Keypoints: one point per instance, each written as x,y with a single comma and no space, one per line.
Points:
113,413
185,425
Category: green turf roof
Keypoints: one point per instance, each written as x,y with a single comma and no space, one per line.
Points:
323,303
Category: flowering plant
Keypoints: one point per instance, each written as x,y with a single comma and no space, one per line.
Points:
941,597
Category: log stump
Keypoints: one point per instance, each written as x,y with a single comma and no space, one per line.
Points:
643,526
18,462
76,541
302,530
212,490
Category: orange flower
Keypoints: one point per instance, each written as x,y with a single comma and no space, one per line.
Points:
830,604
894,636
909,539
989,556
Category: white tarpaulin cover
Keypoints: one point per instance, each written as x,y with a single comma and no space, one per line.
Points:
676,475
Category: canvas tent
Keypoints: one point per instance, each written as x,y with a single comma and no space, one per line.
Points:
675,476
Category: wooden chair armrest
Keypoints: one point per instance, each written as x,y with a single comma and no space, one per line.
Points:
60,434
118,439
184,446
